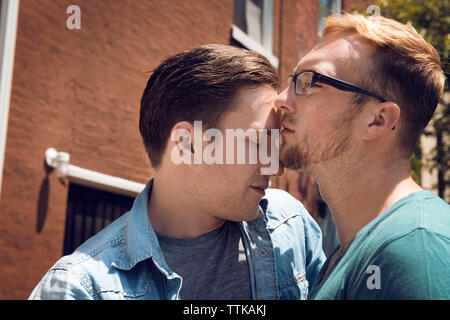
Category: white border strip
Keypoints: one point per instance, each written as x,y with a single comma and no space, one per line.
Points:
8,30
60,162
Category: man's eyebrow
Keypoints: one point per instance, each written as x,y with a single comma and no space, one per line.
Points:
306,69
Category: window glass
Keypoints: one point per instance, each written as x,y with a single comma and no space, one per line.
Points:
89,211
327,8
248,16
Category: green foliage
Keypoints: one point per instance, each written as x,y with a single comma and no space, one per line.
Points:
431,18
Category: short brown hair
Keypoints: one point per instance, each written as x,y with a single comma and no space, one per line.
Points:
198,84
404,69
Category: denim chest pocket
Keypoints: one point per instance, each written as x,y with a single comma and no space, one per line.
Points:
294,288
140,283
128,290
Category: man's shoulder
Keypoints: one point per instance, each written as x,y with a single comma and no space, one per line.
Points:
406,248
414,266
279,204
279,207
409,249
435,213
425,203
416,225
98,252
403,229
83,273
419,211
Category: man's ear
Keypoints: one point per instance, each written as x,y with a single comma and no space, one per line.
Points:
181,140
382,119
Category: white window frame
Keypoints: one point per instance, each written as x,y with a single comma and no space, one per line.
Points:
88,178
267,35
8,29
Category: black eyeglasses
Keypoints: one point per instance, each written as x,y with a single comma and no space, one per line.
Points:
305,80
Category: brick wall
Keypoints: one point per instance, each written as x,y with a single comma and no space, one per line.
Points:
79,91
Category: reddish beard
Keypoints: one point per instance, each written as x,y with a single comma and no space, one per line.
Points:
305,153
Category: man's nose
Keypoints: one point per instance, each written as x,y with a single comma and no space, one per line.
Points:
284,101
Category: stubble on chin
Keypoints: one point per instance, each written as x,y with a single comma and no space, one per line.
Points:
306,153
293,157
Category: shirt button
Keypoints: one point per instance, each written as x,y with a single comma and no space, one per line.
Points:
262,253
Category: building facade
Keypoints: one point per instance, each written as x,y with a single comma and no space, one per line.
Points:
77,73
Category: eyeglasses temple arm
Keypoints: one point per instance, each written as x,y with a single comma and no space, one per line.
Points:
345,86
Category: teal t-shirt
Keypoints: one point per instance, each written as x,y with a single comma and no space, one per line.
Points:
404,253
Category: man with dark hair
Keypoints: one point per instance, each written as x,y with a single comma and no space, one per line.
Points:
205,226
352,116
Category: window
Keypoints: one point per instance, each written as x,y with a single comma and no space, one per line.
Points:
89,211
327,8
253,26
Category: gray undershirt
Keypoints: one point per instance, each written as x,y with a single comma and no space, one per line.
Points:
213,266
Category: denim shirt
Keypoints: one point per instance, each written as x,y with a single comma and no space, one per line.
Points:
124,260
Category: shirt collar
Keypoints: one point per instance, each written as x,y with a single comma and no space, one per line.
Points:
140,241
